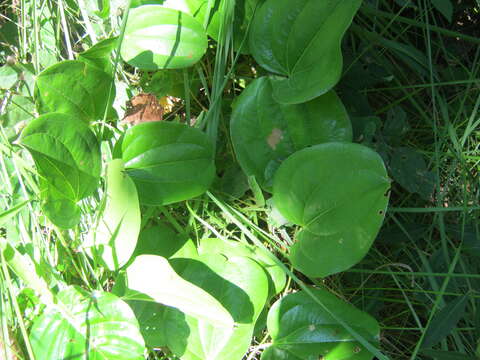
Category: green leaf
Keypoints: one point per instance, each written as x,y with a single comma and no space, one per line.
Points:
18,113
446,355
277,277
8,76
409,169
11,212
302,330
162,38
338,193
74,87
99,55
169,162
163,241
171,82
170,289
89,326
68,160
445,7
300,41
445,321
241,286
114,239
264,132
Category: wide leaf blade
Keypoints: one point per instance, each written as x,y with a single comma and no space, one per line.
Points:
161,38
90,326
302,330
339,193
300,41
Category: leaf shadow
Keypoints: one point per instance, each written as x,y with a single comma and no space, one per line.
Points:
234,299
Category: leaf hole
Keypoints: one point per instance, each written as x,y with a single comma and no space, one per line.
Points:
381,212
357,349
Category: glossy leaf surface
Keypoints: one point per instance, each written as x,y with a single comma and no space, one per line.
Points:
96,326
300,42
264,132
339,193
115,238
74,87
234,248
68,160
161,38
241,285
171,290
302,330
169,162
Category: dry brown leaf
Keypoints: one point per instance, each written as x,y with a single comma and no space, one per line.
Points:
143,108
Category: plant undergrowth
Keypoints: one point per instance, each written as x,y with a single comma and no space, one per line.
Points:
406,98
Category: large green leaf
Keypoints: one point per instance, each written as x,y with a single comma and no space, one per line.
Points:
96,326
76,88
169,162
230,248
264,132
339,193
160,38
170,289
302,330
114,239
300,41
68,160
241,286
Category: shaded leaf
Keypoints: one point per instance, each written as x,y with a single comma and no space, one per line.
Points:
409,169
445,321
171,290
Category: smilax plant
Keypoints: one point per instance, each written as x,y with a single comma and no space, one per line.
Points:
292,138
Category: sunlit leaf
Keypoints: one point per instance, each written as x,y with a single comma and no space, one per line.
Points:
339,193
300,42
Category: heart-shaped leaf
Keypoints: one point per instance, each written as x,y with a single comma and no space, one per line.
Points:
339,193
302,330
161,38
264,132
241,285
169,162
76,88
115,238
300,41
234,248
68,160
89,326
170,289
